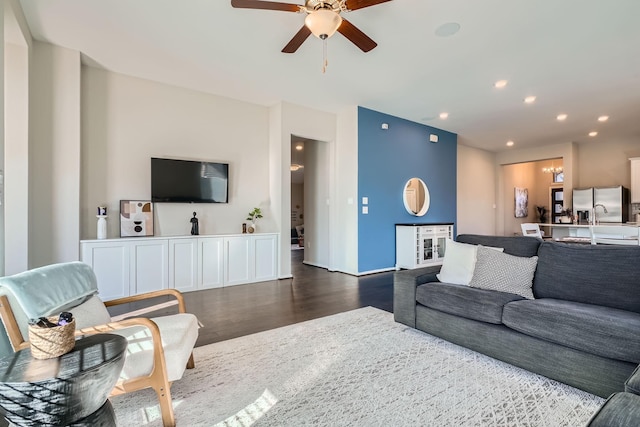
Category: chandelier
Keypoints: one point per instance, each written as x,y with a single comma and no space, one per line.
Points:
552,169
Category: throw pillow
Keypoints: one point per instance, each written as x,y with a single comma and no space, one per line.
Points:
502,272
459,261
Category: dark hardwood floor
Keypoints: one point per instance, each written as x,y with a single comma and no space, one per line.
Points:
313,292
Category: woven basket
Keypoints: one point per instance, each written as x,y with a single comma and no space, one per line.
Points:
47,343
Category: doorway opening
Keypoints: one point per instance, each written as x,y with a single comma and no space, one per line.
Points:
310,210
533,193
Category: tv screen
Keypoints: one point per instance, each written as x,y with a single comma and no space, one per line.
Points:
188,181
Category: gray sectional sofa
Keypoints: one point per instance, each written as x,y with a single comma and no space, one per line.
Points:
582,328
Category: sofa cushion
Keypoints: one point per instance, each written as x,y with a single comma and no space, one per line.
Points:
476,304
598,330
513,245
503,272
592,274
620,410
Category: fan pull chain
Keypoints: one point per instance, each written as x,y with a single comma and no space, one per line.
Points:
325,62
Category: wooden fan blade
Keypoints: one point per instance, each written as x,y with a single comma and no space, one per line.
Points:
269,5
297,40
356,36
361,4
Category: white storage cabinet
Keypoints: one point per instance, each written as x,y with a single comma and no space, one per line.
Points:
421,245
132,266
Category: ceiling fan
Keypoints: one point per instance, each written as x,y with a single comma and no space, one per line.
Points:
323,19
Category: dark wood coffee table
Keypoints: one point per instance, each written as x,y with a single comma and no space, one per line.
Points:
68,390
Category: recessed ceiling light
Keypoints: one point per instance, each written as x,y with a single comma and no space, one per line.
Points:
500,84
510,143
530,99
561,117
299,147
444,116
603,118
592,134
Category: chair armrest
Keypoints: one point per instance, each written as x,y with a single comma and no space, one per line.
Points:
11,325
405,283
141,297
159,362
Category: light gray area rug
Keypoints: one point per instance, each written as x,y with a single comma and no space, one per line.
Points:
358,368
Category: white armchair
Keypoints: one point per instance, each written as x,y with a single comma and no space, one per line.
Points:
159,349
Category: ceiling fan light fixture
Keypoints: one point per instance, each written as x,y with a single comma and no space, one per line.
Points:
323,23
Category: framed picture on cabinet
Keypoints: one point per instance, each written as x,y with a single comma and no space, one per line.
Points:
136,218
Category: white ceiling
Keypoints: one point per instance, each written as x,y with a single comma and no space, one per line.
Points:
580,57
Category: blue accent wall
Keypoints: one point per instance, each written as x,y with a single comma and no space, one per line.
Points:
387,159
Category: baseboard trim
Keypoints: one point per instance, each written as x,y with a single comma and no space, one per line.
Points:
382,270
315,265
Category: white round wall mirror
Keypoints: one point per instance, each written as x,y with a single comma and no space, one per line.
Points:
416,197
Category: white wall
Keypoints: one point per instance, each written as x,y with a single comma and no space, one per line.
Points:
127,120
16,154
605,163
2,147
316,187
54,155
476,188
345,215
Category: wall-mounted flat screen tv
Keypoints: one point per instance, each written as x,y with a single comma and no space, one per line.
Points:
188,181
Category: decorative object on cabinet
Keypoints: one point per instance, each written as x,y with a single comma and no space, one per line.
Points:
416,197
136,218
419,245
102,222
195,227
254,216
521,202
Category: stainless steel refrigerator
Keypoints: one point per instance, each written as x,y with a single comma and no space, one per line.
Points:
614,199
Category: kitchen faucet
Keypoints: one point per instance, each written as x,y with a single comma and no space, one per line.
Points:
594,219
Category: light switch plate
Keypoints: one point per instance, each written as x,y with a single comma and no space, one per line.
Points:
365,200
365,210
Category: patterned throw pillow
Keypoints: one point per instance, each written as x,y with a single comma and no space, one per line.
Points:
502,272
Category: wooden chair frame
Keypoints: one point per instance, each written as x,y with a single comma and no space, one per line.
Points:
157,379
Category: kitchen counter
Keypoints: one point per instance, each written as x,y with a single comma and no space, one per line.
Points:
604,233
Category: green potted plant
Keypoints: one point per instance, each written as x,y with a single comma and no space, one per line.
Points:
253,216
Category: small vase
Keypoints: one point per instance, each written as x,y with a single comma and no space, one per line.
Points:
102,226
253,227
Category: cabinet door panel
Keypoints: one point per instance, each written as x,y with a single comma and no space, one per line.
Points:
183,264
110,263
237,260
149,271
265,258
211,263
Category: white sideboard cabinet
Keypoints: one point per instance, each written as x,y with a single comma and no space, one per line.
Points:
421,245
132,266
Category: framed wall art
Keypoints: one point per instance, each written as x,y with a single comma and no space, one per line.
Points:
136,218
522,202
